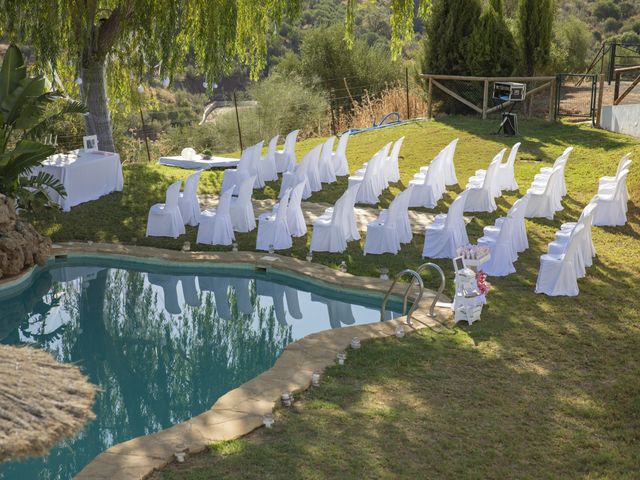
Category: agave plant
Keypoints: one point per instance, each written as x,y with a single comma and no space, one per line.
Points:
27,110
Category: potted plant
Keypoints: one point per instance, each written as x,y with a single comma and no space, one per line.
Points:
206,154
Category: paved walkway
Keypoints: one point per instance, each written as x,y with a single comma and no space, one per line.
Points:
312,210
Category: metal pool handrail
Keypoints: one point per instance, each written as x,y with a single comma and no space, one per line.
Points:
440,289
415,277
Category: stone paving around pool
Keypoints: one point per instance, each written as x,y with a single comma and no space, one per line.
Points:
312,210
240,411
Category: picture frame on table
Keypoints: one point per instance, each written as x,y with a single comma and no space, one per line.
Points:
458,264
90,143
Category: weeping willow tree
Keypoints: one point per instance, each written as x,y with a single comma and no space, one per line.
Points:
112,45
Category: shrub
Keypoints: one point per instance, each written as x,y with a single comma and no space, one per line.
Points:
606,9
612,25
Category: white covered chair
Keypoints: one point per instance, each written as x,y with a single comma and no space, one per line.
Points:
391,165
478,180
313,171
348,217
449,168
448,232
328,232
481,197
611,210
325,166
557,274
165,219
188,200
286,158
607,185
586,250
428,186
502,251
545,201
383,234
369,190
247,167
506,174
518,235
243,218
273,231
339,157
300,174
215,224
295,217
545,172
267,165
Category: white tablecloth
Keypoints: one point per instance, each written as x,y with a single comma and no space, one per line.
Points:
199,163
86,176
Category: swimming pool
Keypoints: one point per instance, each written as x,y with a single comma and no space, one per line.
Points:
162,342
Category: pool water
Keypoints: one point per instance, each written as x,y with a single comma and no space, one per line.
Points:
162,343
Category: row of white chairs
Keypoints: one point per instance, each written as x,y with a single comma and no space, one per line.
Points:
572,250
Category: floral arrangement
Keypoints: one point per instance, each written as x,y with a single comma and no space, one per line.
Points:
483,286
472,252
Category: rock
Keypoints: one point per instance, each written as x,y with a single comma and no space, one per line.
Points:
21,246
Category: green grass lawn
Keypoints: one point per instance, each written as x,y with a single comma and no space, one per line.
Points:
541,387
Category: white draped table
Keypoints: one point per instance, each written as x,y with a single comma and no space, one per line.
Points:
85,176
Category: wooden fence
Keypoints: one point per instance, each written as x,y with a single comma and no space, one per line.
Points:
484,109
617,96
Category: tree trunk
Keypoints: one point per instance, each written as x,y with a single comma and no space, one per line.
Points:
94,93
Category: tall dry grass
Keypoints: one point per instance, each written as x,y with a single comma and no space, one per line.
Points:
368,109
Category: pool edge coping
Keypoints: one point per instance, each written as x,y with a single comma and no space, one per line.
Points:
239,411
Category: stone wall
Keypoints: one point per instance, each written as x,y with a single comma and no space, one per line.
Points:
20,245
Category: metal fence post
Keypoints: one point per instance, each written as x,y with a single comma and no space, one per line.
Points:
406,80
485,99
235,104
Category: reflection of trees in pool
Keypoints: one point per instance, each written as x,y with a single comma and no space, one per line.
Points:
153,369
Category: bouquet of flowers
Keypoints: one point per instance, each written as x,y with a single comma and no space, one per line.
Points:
483,286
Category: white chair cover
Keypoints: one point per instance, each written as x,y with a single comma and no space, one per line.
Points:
300,174
449,167
605,187
506,176
545,200
339,157
326,168
611,210
242,217
295,217
286,158
427,187
481,197
383,234
328,232
273,230
557,274
313,171
448,232
585,250
220,288
267,166
348,219
165,219
242,289
369,190
215,224
625,162
518,235
392,166
247,167
188,200
545,172
494,171
501,249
